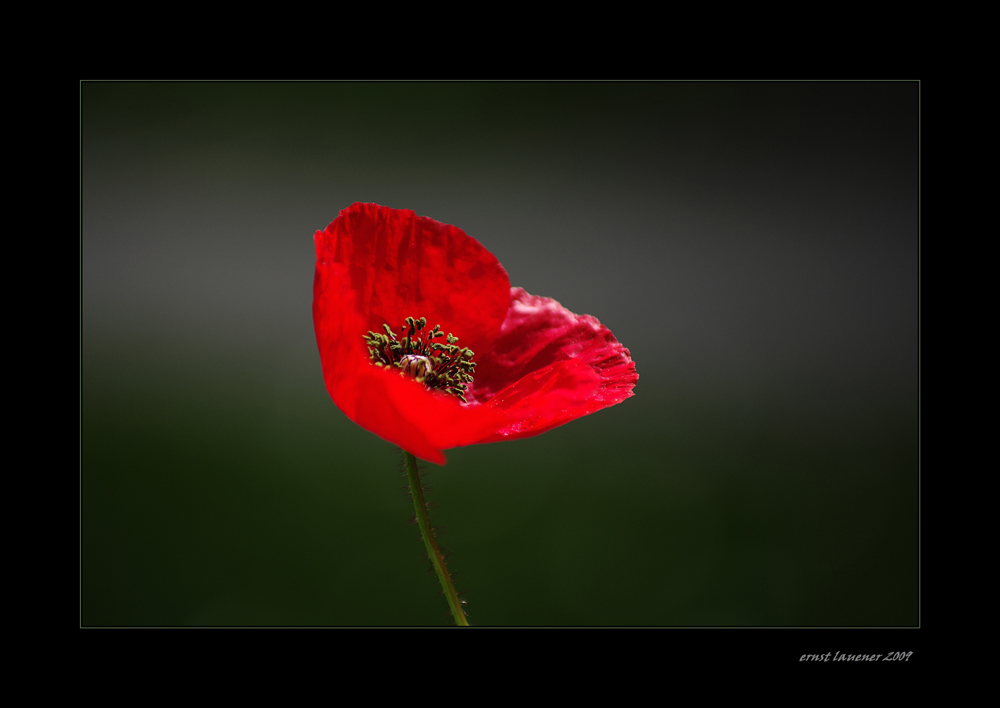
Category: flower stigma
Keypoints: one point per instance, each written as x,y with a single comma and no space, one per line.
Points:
442,366
416,366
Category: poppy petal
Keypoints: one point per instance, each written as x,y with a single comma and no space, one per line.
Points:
402,265
550,366
437,270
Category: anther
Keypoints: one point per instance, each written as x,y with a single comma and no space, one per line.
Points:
414,354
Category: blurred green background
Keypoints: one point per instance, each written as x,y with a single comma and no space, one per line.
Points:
753,244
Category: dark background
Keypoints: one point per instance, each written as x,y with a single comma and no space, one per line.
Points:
755,245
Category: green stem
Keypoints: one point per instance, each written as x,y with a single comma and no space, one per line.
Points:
430,543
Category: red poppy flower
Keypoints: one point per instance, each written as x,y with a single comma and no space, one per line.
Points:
512,365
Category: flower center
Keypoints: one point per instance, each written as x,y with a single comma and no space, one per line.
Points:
416,355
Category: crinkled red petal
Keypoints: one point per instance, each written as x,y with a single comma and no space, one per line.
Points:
550,366
402,265
377,265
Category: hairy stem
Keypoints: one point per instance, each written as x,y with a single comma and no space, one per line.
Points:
430,543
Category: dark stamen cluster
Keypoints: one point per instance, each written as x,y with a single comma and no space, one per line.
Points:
442,366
